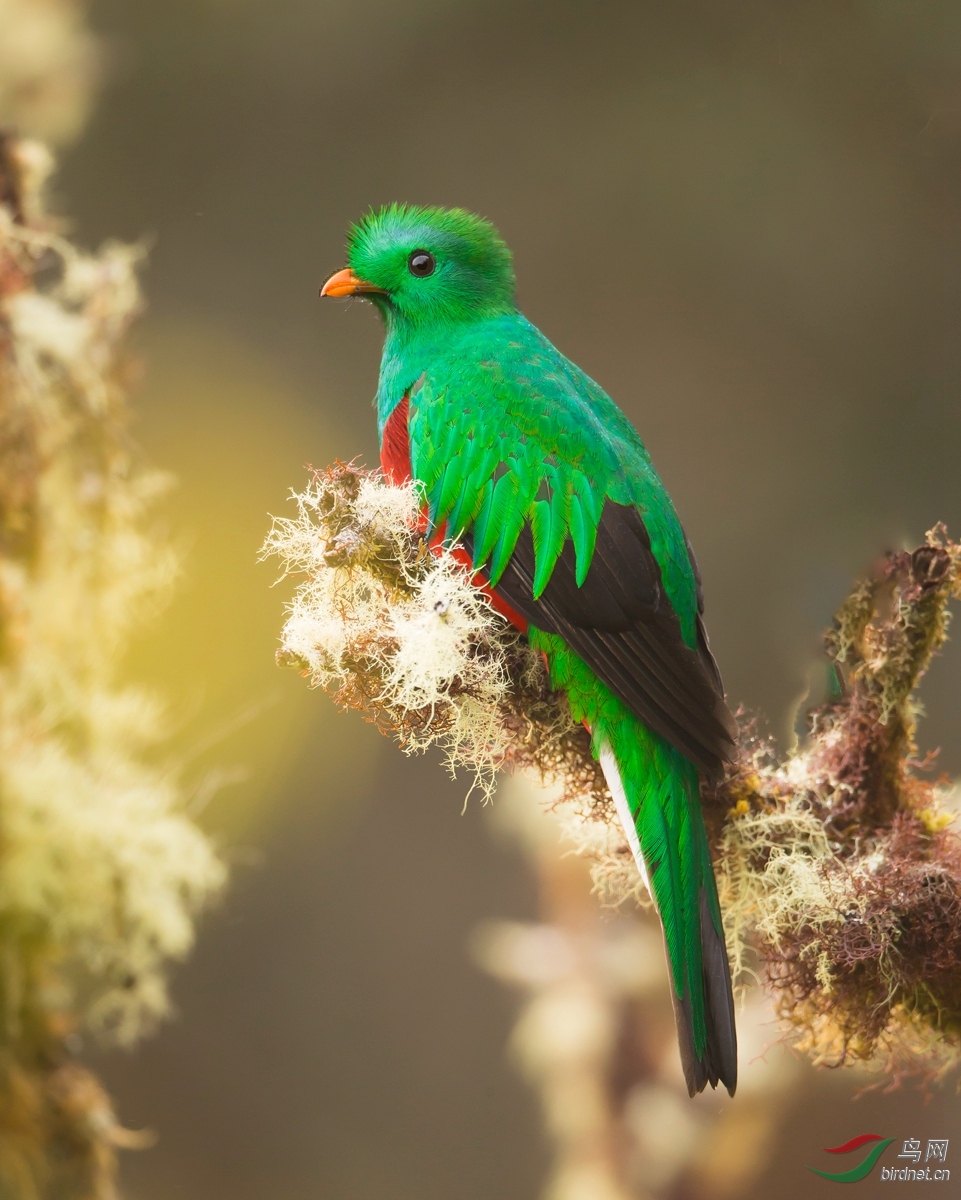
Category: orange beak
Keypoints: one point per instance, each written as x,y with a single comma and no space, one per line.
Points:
346,283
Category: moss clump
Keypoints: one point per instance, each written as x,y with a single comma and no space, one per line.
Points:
838,864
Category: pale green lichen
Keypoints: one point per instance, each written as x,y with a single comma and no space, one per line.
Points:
389,625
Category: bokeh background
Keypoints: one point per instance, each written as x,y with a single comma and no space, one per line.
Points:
743,220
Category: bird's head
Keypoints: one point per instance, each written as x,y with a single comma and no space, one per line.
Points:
424,267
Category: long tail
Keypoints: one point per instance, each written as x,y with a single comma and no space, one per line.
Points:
656,791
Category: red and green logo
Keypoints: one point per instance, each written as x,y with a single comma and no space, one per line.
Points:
864,1167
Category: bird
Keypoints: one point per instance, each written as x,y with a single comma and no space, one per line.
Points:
528,466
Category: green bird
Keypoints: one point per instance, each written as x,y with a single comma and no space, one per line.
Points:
531,467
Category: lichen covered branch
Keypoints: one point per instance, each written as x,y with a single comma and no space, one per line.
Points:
401,633
838,865
839,875
101,872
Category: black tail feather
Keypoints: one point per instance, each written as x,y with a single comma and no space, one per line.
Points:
719,1061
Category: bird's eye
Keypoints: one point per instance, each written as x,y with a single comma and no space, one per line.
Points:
421,264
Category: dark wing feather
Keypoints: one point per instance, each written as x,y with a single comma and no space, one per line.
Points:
621,622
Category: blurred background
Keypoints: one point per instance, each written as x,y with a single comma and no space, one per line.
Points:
743,220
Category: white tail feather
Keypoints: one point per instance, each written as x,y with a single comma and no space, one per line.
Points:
612,774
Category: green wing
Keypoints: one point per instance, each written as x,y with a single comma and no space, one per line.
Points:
505,433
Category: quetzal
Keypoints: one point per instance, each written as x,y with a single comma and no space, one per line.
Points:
532,468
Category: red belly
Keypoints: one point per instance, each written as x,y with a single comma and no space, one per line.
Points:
395,463
395,445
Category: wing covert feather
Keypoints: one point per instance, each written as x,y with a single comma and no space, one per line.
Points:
547,484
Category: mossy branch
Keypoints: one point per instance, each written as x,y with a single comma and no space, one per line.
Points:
839,875
101,872
401,634
838,865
